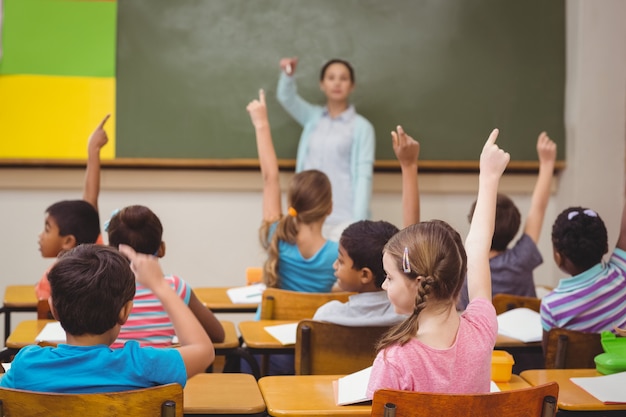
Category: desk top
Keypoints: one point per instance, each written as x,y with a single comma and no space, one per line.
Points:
218,301
26,332
312,395
223,394
571,396
20,296
510,342
256,337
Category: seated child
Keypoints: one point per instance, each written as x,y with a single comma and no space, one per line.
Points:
148,323
73,222
425,265
593,298
359,266
512,268
92,295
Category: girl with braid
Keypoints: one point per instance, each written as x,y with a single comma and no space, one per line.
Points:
425,265
593,298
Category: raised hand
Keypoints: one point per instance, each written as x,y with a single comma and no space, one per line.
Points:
493,160
288,65
546,148
98,137
147,269
406,148
258,111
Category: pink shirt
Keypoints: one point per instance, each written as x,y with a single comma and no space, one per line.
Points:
463,368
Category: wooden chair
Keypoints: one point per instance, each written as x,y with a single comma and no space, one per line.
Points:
506,302
539,401
278,304
327,348
159,401
568,349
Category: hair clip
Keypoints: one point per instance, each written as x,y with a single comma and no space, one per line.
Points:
587,212
108,222
292,212
406,265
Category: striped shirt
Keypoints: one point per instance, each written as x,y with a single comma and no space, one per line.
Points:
148,322
593,301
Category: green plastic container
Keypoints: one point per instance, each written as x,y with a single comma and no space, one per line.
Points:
613,360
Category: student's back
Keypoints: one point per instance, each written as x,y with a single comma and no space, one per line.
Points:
92,291
299,258
593,298
359,265
149,324
512,267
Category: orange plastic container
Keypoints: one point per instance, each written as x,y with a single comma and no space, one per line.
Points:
501,366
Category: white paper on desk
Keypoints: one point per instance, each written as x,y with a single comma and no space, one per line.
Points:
352,389
493,387
285,333
247,294
52,332
521,323
609,389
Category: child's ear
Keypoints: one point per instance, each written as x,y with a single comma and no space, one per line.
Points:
367,276
161,251
125,312
68,242
52,310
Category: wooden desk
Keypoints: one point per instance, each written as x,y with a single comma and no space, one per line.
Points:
571,396
26,332
312,395
258,339
219,394
17,298
217,300
510,342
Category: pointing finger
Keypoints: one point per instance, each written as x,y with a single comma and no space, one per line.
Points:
492,137
101,125
262,96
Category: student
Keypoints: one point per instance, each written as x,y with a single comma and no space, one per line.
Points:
425,265
593,298
512,268
72,222
138,227
299,257
335,140
92,295
359,266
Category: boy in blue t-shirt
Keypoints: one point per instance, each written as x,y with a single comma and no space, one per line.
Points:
92,289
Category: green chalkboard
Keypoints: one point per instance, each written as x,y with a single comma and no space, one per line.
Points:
448,70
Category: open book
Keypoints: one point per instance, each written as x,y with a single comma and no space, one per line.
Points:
284,333
52,332
352,389
521,323
249,294
610,389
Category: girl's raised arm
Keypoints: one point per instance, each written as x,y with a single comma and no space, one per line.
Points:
493,162
267,158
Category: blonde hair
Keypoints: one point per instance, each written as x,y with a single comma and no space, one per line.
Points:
310,195
436,255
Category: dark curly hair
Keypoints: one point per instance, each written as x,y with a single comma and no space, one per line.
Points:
579,234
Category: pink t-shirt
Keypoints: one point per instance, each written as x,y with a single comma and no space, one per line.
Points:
463,368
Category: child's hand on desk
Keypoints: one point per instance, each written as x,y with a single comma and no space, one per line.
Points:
258,111
406,148
98,137
147,269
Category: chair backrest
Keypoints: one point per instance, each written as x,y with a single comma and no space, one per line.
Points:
539,401
280,304
506,302
567,349
327,348
159,401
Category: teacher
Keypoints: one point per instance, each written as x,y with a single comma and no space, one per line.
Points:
335,140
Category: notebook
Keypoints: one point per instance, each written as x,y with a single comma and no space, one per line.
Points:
285,333
52,332
521,323
247,294
610,389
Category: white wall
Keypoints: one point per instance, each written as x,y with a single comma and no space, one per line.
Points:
211,217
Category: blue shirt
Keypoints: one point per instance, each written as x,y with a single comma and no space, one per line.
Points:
85,369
